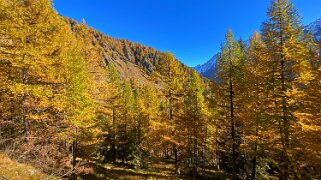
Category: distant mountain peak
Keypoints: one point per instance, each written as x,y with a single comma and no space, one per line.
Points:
315,29
208,69
207,66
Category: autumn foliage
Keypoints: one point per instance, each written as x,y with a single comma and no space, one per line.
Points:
72,98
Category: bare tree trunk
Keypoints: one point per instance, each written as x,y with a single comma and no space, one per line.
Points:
24,105
74,153
204,150
171,117
254,160
233,133
176,159
113,146
74,149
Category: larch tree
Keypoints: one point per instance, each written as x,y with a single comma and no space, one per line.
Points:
196,122
309,126
82,127
256,105
113,103
173,78
308,114
36,40
149,106
230,76
126,126
289,69
46,80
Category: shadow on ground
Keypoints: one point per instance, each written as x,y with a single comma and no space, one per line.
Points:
160,170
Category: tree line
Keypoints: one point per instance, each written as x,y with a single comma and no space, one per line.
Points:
64,104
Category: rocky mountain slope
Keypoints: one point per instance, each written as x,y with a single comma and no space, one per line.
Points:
315,29
132,60
209,68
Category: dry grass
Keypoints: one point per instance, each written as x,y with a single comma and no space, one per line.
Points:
158,170
13,170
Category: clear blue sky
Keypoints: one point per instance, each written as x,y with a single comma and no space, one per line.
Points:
191,29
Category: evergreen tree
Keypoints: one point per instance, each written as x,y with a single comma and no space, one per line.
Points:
196,121
256,104
288,68
113,103
37,40
231,77
82,130
173,83
308,126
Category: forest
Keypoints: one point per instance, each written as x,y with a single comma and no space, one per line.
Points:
75,103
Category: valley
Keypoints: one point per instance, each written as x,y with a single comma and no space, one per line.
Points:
76,103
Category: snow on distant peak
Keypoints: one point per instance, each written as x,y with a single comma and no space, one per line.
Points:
315,29
207,66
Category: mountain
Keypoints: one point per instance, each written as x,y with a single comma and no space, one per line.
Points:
315,29
209,68
133,61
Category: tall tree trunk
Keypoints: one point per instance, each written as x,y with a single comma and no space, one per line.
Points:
74,153
195,158
171,117
233,133
113,146
194,148
204,151
284,130
254,160
24,104
74,149
176,159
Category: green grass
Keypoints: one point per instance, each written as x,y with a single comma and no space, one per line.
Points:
13,170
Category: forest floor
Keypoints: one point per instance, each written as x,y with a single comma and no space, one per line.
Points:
158,170
13,170
110,171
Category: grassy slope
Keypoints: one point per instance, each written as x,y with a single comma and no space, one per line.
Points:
13,170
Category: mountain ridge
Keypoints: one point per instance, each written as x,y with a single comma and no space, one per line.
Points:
132,60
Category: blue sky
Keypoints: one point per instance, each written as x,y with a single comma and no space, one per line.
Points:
191,29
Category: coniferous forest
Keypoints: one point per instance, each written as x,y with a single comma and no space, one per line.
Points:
75,103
